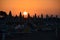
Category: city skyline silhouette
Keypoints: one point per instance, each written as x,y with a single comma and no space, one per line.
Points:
29,19
21,25
25,16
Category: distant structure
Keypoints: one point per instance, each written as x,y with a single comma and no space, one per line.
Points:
3,14
47,16
28,15
51,16
10,14
35,21
20,15
42,16
9,23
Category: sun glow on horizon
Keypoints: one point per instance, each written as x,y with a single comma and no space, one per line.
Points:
25,13
31,6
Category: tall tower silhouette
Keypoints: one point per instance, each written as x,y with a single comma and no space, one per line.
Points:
35,16
20,15
10,14
28,15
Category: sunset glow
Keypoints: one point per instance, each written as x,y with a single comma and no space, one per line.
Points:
25,13
31,6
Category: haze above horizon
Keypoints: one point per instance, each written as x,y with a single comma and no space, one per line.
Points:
31,6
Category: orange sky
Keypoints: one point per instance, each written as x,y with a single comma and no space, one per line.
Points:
31,6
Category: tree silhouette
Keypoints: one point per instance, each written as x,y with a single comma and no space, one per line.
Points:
2,13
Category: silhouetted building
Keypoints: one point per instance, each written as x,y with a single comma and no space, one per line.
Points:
47,16
33,22
10,14
35,16
51,16
56,16
28,15
23,16
20,15
42,16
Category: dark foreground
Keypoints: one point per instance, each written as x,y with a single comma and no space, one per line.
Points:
31,36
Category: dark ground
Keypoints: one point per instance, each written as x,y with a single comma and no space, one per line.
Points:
32,36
